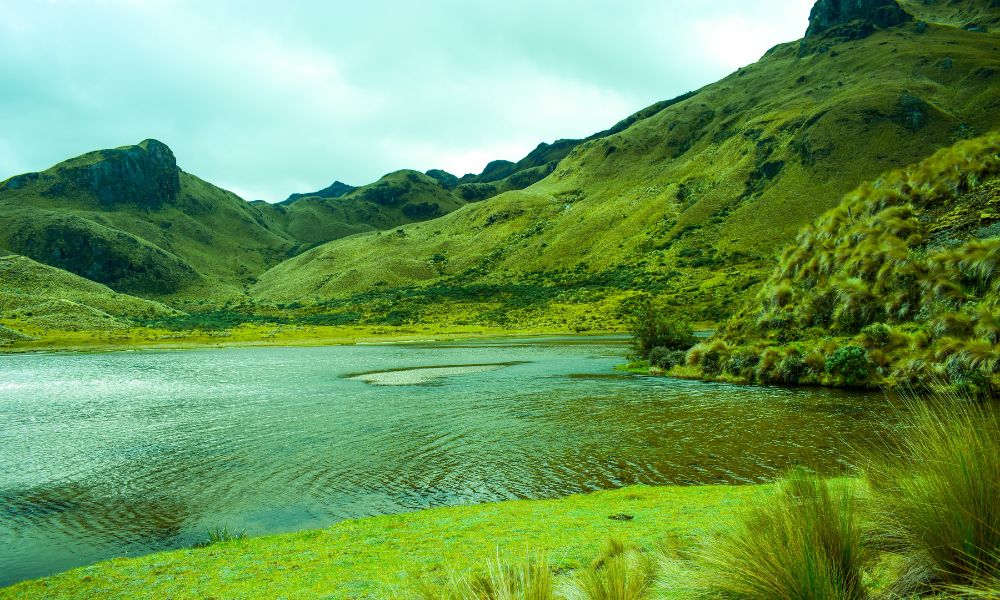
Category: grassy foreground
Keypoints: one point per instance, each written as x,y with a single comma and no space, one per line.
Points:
380,557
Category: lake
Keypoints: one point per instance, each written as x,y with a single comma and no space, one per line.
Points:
124,453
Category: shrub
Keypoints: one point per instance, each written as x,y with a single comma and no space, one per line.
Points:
710,356
806,544
665,358
742,363
937,494
653,329
850,365
791,367
876,335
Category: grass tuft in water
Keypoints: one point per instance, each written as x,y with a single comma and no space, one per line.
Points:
219,535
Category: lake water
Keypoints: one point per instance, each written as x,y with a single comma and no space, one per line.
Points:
125,453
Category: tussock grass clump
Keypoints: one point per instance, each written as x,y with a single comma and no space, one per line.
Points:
901,258
806,544
221,534
621,572
936,493
529,579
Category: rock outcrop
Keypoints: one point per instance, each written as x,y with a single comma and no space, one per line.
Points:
854,19
145,175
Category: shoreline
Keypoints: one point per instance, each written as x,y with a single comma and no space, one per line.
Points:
273,337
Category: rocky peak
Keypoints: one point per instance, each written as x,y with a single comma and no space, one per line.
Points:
854,18
145,175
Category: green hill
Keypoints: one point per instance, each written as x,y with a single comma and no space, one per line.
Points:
899,284
38,297
689,204
131,219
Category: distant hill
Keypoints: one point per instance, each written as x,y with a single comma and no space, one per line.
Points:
691,203
395,199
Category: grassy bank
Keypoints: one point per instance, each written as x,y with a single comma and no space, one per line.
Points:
41,340
381,557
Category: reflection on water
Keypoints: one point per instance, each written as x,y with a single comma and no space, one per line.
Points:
104,455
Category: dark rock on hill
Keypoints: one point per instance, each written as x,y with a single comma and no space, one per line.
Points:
145,175
854,19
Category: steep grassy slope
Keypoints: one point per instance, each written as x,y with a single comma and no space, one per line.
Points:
129,218
899,284
689,204
974,16
34,296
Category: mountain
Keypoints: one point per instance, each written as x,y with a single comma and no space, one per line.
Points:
691,203
898,284
129,218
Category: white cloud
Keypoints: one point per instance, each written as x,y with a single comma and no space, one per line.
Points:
266,96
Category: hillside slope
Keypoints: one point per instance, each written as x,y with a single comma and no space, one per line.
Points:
36,296
691,203
899,284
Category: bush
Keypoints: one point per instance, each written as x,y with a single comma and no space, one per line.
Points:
876,335
710,356
791,367
653,329
806,544
850,365
665,358
937,494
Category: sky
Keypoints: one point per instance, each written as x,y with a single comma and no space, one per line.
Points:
266,98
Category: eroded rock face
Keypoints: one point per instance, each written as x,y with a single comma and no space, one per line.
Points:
854,18
145,175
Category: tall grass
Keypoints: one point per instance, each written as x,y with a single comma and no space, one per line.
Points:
621,572
805,545
936,493
221,534
530,579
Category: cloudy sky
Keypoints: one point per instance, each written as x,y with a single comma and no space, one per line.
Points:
269,97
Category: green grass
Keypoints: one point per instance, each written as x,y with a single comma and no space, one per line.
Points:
388,556
936,495
622,571
806,545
